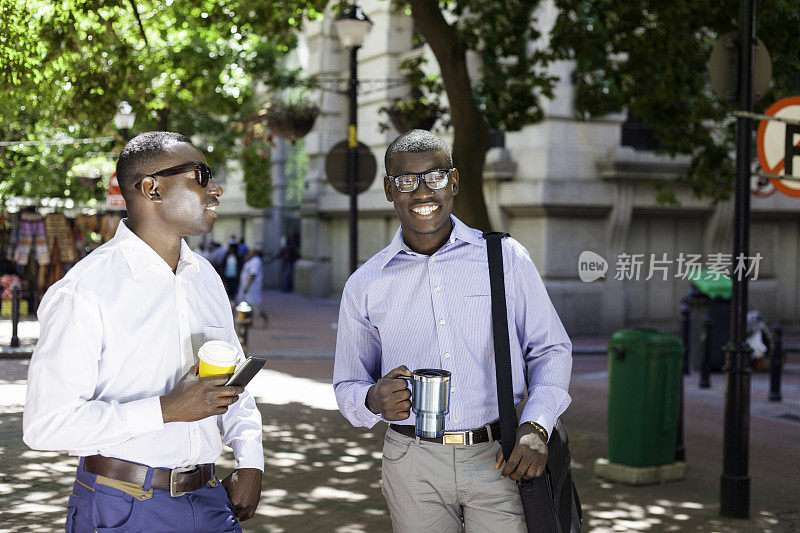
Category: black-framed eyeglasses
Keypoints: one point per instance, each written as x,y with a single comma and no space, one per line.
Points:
202,173
434,179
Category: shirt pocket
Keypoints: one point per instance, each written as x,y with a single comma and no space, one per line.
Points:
475,322
214,333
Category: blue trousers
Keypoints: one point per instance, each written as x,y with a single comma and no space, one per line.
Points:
96,506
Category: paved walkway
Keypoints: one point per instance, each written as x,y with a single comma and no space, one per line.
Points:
323,475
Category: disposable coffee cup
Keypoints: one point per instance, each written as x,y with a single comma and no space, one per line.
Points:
217,358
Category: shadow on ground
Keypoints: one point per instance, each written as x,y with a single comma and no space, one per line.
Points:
691,504
322,475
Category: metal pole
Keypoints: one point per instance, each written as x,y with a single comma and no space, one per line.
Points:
705,356
680,449
352,143
735,479
685,331
15,292
775,363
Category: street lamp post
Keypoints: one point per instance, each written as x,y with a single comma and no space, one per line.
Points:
352,25
124,119
735,479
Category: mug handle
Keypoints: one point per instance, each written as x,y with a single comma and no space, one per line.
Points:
410,380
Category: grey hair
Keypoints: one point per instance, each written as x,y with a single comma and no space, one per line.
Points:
417,141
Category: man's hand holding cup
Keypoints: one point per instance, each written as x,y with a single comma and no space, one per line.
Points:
390,397
202,392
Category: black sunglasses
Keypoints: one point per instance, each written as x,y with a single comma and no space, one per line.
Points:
202,173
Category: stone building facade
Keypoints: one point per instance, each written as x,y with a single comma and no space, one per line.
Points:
560,187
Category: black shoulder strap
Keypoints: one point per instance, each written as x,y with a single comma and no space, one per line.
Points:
502,351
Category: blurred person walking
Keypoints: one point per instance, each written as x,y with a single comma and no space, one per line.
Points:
251,282
288,255
230,270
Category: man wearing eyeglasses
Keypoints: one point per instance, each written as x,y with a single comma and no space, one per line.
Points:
113,378
424,302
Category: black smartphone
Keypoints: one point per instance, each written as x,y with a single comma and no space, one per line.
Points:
247,371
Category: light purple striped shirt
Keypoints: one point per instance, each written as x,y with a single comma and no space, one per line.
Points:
405,308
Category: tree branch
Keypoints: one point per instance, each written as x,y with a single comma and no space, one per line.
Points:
139,21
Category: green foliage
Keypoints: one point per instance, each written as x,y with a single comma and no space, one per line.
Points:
296,170
423,106
257,170
92,167
185,66
649,58
513,77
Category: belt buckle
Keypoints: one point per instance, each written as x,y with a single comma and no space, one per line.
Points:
172,481
457,438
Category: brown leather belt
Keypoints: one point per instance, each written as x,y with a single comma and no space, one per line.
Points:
178,481
455,438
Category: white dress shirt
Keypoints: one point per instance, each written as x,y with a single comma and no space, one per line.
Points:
406,308
118,331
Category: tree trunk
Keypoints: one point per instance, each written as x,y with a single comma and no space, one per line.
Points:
471,134
163,117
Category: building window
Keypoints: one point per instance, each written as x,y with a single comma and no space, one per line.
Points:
497,138
639,135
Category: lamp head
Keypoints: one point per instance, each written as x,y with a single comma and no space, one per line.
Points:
125,116
352,25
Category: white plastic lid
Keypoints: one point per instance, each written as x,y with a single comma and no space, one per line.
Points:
219,353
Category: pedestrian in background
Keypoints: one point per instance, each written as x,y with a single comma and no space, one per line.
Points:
217,256
242,250
230,270
288,254
251,282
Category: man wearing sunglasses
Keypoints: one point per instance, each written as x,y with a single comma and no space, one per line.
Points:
113,378
424,302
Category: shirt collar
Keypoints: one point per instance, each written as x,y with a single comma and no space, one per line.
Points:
460,232
141,257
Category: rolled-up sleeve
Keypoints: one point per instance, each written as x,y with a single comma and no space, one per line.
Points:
358,359
546,348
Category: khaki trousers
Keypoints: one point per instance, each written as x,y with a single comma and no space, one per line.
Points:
444,489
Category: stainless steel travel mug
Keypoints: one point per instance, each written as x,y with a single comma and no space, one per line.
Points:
430,400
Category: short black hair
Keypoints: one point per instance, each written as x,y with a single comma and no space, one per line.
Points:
139,151
417,141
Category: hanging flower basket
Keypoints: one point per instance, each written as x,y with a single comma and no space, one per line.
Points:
416,114
291,120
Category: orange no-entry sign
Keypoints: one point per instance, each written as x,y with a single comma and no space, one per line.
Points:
778,144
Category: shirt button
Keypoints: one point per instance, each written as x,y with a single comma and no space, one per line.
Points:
447,355
374,419
437,288
452,390
455,420
433,259
441,322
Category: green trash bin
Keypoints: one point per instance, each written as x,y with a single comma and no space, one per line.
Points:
644,373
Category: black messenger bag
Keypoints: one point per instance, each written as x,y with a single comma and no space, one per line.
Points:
550,502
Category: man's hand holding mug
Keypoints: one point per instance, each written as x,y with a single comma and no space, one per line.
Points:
390,397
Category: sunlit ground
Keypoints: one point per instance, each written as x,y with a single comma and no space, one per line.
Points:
324,476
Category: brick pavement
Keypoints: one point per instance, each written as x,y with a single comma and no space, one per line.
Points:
322,475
